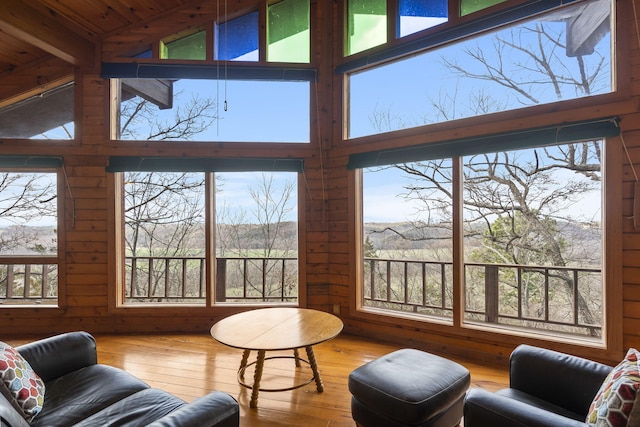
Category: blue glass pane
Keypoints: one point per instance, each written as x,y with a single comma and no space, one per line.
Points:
423,8
418,15
237,39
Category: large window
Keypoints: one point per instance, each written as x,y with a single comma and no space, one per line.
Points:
560,55
408,246
28,237
214,110
256,237
173,243
531,228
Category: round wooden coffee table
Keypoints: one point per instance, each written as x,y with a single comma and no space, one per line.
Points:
276,329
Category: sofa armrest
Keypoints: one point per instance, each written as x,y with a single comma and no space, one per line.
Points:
59,355
215,409
483,408
564,380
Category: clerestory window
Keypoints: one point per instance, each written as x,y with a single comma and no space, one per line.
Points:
556,56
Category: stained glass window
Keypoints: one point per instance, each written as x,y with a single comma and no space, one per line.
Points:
189,47
418,15
367,25
237,39
288,31
470,6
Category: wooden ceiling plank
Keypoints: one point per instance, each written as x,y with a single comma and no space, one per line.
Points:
126,41
31,80
45,32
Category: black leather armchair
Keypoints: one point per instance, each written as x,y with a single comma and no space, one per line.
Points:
547,389
83,393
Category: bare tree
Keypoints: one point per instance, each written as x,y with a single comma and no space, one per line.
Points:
189,119
26,199
263,236
164,212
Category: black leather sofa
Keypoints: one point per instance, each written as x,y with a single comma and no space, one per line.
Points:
81,392
547,389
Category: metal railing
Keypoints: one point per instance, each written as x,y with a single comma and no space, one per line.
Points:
566,299
518,295
182,279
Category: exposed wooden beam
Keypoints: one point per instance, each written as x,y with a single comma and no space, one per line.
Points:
33,79
586,29
48,33
159,92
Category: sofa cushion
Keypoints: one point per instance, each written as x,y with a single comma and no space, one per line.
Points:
139,409
617,403
530,400
20,385
82,393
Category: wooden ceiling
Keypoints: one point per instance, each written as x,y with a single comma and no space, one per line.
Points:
41,41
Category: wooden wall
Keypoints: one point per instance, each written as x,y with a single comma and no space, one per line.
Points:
90,246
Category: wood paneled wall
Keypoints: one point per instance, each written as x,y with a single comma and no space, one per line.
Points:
88,258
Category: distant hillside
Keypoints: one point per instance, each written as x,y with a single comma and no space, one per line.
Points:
28,240
582,241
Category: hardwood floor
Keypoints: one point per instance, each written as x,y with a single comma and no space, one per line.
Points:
190,365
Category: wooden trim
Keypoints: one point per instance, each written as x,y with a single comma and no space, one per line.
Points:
458,242
302,240
66,209
356,222
209,239
115,243
575,110
612,238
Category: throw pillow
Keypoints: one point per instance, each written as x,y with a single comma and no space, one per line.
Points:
617,403
19,383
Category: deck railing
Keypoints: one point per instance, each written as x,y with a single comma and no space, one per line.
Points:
508,294
246,279
28,280
567,299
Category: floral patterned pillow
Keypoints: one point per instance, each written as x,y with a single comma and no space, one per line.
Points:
617,403
19,383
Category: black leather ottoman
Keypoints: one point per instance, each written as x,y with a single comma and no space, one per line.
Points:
408,388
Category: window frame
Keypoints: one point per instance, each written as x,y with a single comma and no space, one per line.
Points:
117,254
457,326
46,166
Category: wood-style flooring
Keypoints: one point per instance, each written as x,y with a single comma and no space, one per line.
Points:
190,365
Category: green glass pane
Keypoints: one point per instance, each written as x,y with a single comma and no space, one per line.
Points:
367,26
470,6
288,31
190,47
